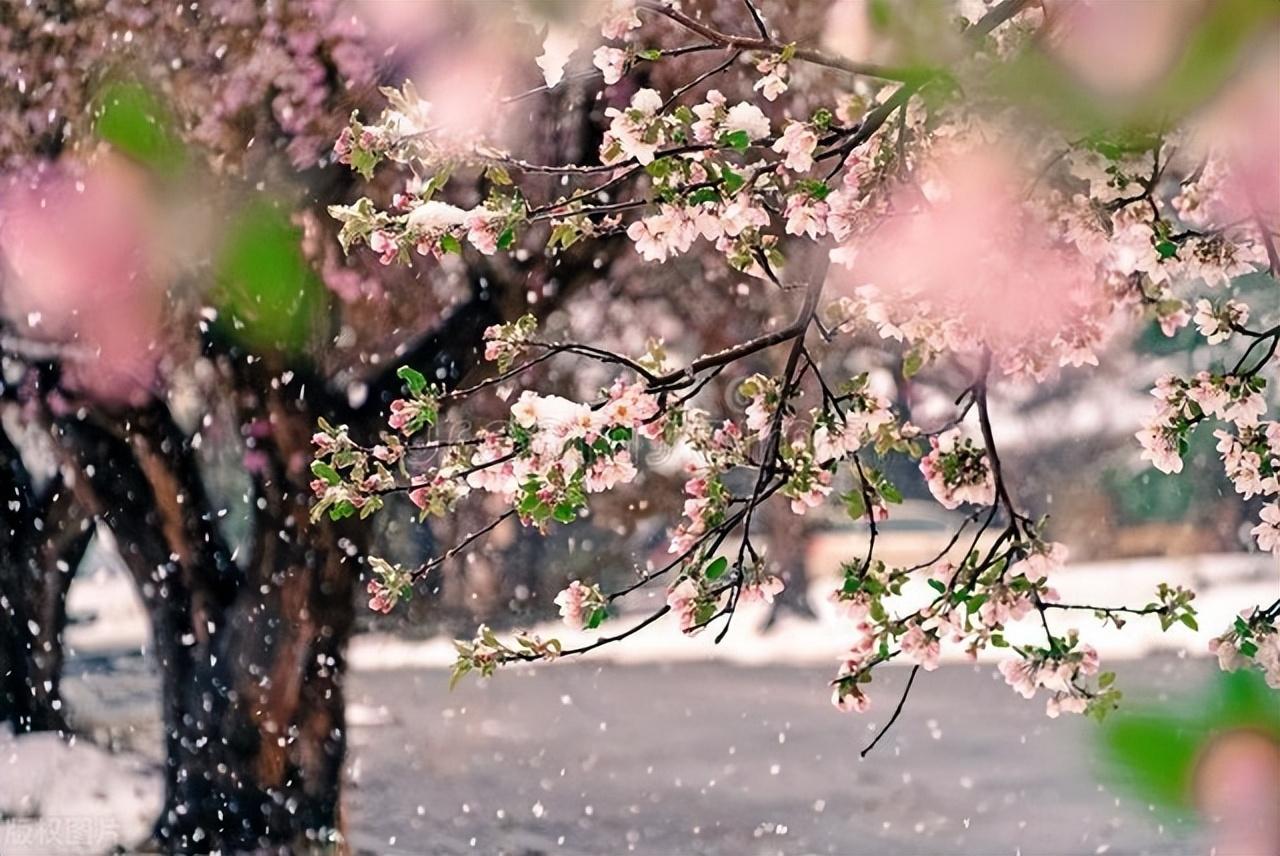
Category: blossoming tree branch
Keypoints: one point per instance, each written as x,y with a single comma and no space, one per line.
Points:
910,206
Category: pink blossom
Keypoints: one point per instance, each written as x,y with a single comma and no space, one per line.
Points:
1267,532
797,142
968,262
482,231
806,216
384,243
762,591
83,273
747,117
611,62
957,471
572,602
850,700
683,599
1038,565
383,599
636,131
774,81
620,17
669,231
607,472
1021,675
921,648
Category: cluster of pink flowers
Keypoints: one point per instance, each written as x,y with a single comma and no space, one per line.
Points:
1251,458
763,397
1254,640
569,447
774,80
970,613
808,484
762,590
796,144
921,647
389,586
689,603
436,495
1267,532
1062,676
1181,403
715,119
846,694
578,603
637,131
704,504
712,452
957,471
612,62
806,215
1218,323
505,343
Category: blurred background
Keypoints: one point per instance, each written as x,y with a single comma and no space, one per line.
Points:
177,313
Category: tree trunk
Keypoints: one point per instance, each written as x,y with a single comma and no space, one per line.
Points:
42,539
251,660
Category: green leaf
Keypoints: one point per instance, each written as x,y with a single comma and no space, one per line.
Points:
716,569
651,54
597,617
459,671
565,513
137,123
450,244
507,238
738,140
938,586
1189,621
659,168
912,363
414,379
702,195
326,472
364,162
268,296
855,504
877,611
732,181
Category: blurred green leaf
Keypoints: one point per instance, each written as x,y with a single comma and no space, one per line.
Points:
137,123
1154,751
269,298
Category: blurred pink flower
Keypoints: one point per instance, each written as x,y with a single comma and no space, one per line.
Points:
82,273
964,248
1119,48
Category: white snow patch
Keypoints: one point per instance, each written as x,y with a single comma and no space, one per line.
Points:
104,607
1224,584
72,798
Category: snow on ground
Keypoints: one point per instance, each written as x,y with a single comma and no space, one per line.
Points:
59,797
1225,583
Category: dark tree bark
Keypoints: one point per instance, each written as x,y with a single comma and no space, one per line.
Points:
251,660
43,536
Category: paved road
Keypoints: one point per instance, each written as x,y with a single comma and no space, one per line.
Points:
716,759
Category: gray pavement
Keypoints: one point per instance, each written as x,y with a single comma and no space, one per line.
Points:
715,759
